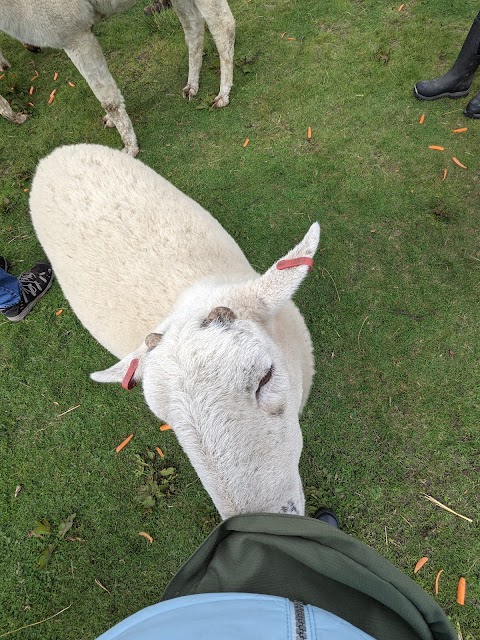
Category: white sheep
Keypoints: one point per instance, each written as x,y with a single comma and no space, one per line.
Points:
224,355
68,25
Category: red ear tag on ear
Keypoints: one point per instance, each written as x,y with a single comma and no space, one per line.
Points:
128,382
295,262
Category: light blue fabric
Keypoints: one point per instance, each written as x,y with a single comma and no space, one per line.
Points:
230,616
9,290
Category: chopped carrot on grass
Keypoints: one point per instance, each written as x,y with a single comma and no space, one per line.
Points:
145,535
422,119
165,427
461,588
124,443
400,7
247,140
35,76
31,90
52,96
461,130
437,579
420,564
444,175
59,312
160,452
30,104
435,147
457,161
70,84
55,75
309,133
2,76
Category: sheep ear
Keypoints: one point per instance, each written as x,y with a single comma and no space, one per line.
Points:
118,372
270,292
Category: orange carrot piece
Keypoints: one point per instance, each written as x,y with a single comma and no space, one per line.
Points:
30,104
55,75
145,535
461,588
59,312
70,84
25,190
435,147
31,90
52,96
422,119
35,76
420,564
124,443
160,452
291,38
444,175
461,130
437,579
247,140
309,133
2,76
457,161
400,7
165,427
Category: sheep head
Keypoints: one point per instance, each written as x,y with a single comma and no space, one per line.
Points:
219,371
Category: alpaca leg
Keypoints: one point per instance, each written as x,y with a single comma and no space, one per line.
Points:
221,23
88,57
194,28
7,112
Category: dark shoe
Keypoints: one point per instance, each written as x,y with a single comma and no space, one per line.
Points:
3,263
324,514
472,110
456,82
33,285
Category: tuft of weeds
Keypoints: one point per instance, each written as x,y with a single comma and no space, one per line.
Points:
157,479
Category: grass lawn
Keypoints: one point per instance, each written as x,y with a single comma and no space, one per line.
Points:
392,305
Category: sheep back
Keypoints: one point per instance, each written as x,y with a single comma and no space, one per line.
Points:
124,242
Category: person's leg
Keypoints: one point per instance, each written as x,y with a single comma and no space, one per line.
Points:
9,287
25,291
456,82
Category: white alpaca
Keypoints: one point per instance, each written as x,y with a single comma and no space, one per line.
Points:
68,25
224,355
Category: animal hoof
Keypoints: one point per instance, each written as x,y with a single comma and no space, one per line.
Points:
20,118
131,151
31,47
108,122
189,92
220,101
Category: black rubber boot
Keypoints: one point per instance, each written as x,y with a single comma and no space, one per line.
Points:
472,110
456,82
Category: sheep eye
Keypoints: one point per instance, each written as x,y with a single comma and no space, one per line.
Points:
265,379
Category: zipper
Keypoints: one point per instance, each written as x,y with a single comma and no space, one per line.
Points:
300,623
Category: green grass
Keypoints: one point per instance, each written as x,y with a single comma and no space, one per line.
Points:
392,305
